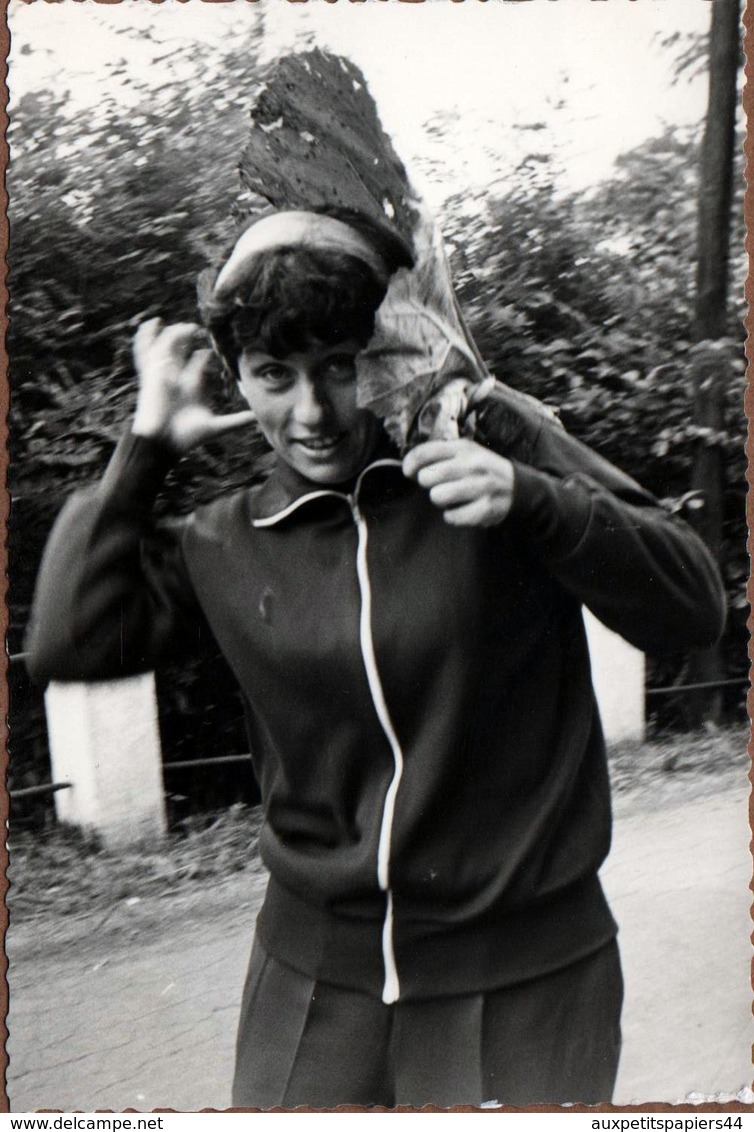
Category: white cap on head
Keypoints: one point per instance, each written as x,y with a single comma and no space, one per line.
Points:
294,230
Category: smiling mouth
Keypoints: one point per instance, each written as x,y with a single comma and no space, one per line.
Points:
321,445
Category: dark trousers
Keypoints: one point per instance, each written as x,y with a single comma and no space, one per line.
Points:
551,1040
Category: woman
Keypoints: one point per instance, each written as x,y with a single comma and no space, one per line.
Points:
408,639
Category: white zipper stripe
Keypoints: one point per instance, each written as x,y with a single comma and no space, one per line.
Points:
378,696
391,988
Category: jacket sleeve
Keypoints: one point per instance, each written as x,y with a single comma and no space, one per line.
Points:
643,572
113,596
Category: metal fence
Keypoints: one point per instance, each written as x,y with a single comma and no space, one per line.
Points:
48,788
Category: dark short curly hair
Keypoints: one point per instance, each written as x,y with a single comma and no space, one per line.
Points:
296,296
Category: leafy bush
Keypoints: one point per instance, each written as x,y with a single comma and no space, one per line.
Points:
587,302
113,213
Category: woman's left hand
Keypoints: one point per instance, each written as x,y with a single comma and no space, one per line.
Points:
471,485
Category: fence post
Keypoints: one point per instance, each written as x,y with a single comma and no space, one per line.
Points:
104,738
618,673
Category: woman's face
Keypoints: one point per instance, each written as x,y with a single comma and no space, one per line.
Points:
305,404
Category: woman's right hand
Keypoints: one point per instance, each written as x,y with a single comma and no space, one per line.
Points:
171,370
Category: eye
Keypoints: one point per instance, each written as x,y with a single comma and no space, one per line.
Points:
274,375
340,368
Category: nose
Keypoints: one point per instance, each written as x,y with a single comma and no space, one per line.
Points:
311,408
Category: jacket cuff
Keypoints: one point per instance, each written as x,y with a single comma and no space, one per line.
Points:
551,514
136,471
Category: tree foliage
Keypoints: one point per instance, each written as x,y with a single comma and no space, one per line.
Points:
114,210
587,301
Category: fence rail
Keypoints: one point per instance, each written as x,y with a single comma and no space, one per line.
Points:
47,788
36,791
189,764
703,686
670,690
182,764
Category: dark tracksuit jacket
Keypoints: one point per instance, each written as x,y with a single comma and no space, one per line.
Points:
420,708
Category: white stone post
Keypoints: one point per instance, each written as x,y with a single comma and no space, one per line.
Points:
618,673
104,738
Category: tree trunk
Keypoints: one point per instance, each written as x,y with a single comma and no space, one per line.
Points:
716,179
710,360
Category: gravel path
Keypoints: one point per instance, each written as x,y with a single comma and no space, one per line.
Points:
678,882
141,1012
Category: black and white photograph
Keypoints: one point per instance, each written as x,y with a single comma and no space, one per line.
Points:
377,555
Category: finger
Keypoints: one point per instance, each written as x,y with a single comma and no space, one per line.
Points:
455,493
473,514
444,471
177,340
216,426
144,338
182,338
430,452
194,371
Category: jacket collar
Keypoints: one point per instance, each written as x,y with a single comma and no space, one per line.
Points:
286,489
